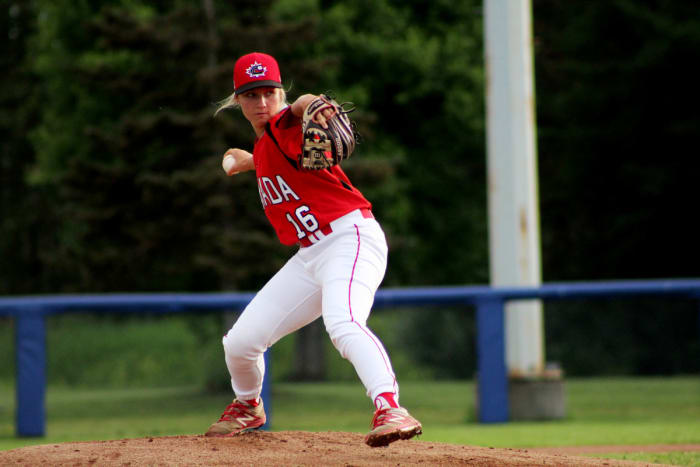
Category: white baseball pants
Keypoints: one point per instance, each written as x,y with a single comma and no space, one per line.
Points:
335,278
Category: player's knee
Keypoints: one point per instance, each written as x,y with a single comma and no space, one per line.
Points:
242,344
341,334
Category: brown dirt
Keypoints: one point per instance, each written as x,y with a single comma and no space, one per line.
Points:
286,448
578,450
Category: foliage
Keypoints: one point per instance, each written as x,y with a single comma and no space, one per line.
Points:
22,210
110,176
142,204
143,351
616,135
624,337
442,339
418,66
98,350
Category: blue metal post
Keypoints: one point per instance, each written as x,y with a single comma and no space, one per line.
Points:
491,365
30,335
265,395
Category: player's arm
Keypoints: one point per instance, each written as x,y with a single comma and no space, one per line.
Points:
321,116
236,161
301,104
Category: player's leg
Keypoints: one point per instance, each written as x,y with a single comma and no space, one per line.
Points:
351,271
346,324
289,301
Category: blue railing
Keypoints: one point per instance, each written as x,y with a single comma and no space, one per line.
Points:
30,327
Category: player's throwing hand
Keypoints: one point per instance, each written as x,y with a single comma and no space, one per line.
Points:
236,161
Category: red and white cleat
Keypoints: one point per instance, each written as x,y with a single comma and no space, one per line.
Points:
238,417
389,425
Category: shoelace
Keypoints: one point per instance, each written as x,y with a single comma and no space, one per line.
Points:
379,417
233,410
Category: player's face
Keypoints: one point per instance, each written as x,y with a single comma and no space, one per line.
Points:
260,104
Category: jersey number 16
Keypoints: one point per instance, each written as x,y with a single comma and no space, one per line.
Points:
303,219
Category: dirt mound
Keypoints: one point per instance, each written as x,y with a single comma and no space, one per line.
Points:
281,448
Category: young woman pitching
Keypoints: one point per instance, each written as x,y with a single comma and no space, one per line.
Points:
335,273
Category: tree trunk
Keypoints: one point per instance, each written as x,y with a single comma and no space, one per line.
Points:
310,358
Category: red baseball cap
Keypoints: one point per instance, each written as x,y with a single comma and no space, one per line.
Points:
255,70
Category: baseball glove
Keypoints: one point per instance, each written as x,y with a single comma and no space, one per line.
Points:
323,148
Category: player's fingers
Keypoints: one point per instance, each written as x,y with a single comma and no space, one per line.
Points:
329,113
237,154
321,120
324,115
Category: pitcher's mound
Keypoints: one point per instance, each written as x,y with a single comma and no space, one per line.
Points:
280,448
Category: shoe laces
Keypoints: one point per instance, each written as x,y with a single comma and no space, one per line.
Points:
379,417
233,410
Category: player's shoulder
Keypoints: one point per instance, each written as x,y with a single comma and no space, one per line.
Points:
285,119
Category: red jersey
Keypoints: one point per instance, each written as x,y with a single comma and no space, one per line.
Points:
298,202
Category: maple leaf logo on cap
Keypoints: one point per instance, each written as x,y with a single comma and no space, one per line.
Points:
256,70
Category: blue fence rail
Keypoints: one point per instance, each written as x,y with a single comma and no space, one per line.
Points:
30,314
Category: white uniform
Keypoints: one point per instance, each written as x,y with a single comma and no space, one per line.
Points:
335,273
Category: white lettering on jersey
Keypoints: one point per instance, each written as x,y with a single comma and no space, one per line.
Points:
275,193
286,189
263,196
271,189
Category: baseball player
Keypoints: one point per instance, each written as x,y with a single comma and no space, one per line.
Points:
335,273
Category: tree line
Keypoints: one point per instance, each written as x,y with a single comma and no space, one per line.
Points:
110,159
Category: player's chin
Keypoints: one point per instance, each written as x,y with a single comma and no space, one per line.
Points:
259,122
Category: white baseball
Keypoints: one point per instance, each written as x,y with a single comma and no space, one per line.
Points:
228,163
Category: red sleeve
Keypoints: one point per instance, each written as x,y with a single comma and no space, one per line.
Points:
286,130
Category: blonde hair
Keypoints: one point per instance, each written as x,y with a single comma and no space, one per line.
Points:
227,103
231,101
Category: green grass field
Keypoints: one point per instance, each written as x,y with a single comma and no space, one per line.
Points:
599,412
